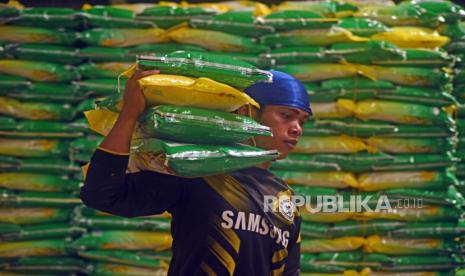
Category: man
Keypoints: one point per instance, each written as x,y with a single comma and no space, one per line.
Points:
219,226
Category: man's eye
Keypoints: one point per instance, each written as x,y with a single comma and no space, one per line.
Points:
287,115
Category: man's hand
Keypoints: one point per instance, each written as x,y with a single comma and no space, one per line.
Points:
133,100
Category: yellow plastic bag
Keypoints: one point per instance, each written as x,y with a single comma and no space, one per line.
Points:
412,37
184,91
320,179
332,245
329,144
342,108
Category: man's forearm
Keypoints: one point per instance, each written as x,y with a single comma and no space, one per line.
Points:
119,138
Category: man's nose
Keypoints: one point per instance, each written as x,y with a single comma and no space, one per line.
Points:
296,130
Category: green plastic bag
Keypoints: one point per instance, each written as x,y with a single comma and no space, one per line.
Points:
195,125
449,196
232,72
37,182
139,259
41,232
20,34
241,23
10,127
116,223
169,16
45,265
98,87
124,37
429,230
420,180
35,110
420,58
103,69
36,215
123,240
33,147
38,71
38,199
297,19
313,72
362,26
415,214
195,160
410,76
52,247
86,144
371,52
38,165
328,9
294,55
46,17
113,17
411,145
48,53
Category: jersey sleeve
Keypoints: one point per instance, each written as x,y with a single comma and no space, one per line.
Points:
292,267
110,189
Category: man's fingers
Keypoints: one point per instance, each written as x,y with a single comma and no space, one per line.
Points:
140,74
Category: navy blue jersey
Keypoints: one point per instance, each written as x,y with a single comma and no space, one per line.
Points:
219,224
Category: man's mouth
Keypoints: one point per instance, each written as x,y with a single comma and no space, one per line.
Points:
291,143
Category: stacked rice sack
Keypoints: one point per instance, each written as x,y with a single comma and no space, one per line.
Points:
383,127
39,122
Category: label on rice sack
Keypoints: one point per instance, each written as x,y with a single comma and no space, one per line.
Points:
33,215
38,71
327,9
103,69
113,17
37,182
35,110
319,179
10,127
48,231
123,240
365,129
311,37
217,41
103,268
362,162
124,37
33,147
341,108
391,246
332,245
190,160
204,65
20,34
449,196
329,144
414,214
375,181
38,165
139,259
398,112
98,87
48,53
364,27
241,23
36,248
410,145
169,16
297,19
48,17
295,55
38,199
412,37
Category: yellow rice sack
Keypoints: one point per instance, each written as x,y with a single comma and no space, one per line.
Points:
329,144
320,179
412,37
341,108
332,245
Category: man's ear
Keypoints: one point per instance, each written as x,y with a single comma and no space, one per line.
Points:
249,111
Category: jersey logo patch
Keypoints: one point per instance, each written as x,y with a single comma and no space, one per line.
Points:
287,208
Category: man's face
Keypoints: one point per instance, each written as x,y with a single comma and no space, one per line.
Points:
286,126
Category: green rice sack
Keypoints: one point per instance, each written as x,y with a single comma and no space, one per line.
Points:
38,165
242,23
169,16
429,230
45,265
329,144
113,17
33,147
38,71
375,181
98,87
46,231
20,34
47,17
48,53
420,58
52,247
37,182
449,196
415,214
297,19
123,37
362,26
347,243
313,72
116,223
103,69
190,160
411,145
36,215
208,39
110,269
23,89
327,9
319,179
294,55
139,259
35,110
253,59
362,162
369,128
232,72
195,125
398,112
123,240
38,199
370,52
10,127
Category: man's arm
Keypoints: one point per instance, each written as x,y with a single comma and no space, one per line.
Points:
292,267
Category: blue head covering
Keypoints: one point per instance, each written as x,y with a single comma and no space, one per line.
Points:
285,90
